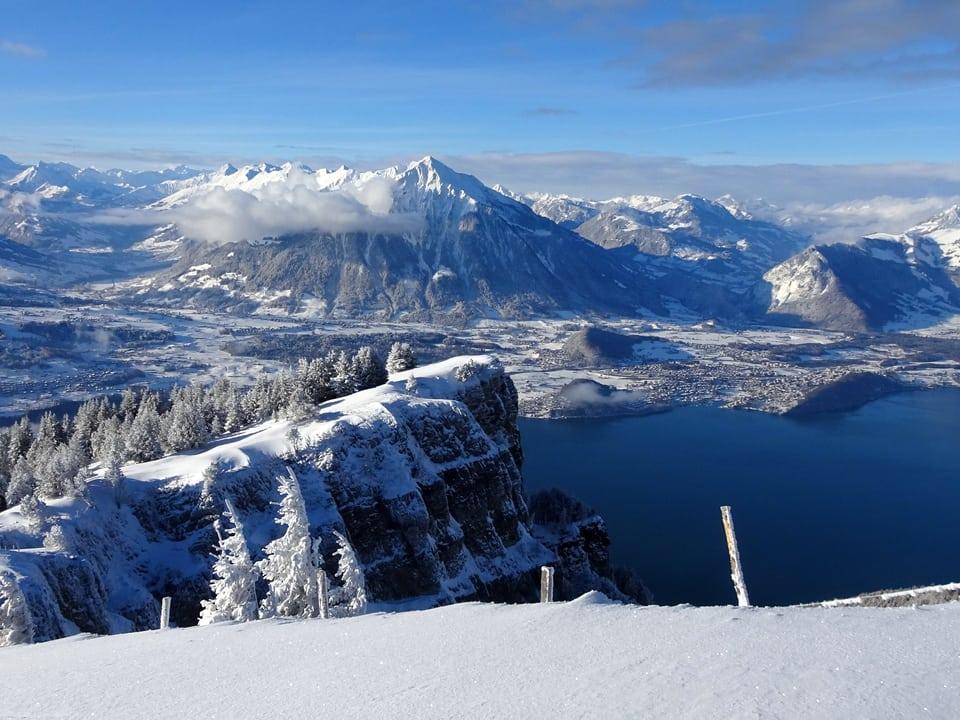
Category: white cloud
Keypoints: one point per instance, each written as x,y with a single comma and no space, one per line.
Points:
849,221
218,216
21,49
16,203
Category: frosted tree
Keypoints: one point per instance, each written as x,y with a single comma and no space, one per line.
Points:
368,369
84,425
115,478
351,597
188,429
470,369
233,419
31,510
344,380
288,565
315,376
66,428
143,438
22,482
211,474
234,575
16,623
56,539
280,390
5,466
21,436
56,471
108,441
400,358
128,405
295,438
46,439
298,405
256,403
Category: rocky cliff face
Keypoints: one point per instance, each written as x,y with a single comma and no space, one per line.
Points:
422,474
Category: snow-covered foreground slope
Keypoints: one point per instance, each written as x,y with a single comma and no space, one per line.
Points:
585,658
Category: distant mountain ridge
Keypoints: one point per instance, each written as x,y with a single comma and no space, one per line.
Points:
477,253
423,241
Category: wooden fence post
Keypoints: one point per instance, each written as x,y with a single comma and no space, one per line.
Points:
736,570
165,613
546,584
322,592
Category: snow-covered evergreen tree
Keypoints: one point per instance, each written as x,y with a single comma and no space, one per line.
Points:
288,565
411,385
5,466
400,358
234,575
351,597
257,405
143,438
55,471
108,441
22,482
368,369
295,438
45,440
56,539
234,418
16,623
468,370
298,405
115,478
188,429
30,508
344,379
211,474
128,405
322,373
84,424
21,437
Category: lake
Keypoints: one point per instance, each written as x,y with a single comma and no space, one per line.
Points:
823,508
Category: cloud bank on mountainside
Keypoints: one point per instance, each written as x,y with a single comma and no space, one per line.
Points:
295,204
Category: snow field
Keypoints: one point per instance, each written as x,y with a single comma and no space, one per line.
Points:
586,658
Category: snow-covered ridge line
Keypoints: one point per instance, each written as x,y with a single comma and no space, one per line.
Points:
928,594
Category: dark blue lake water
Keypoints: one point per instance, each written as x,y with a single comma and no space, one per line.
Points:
823,508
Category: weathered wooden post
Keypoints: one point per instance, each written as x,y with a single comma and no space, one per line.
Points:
322,593
546,584
165,613
736,570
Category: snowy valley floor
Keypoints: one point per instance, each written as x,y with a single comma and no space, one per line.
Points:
586,658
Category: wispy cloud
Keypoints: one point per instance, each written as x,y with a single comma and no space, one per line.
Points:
599,175
543,111
819,38
21,49
708,44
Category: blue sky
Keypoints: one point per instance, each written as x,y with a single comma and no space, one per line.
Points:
703,85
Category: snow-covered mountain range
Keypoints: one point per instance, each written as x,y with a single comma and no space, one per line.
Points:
422,241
